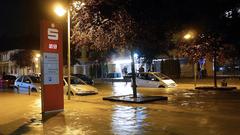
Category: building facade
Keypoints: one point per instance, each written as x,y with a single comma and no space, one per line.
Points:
7,66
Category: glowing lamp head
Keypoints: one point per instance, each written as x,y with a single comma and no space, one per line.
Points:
187,36
36,59
38,55
59,10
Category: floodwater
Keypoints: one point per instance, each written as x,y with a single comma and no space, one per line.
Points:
187,112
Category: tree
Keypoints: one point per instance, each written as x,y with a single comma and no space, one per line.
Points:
209,45
103,31
151,43
22,58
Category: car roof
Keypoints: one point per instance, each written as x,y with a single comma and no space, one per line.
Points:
149,72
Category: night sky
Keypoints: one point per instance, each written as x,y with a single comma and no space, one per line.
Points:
19,25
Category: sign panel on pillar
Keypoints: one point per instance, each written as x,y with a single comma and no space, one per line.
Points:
52,63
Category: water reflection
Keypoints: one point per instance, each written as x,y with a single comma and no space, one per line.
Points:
128,120
122,88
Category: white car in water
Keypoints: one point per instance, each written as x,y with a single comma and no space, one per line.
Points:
154,79
25,82
78,87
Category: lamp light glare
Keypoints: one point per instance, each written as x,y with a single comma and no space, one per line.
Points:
187,36
59,10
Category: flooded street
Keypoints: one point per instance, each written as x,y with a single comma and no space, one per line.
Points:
187,112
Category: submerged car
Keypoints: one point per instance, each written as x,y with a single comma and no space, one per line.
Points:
78,87
25,82
154,79
85,78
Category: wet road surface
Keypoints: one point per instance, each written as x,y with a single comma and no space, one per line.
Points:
187,112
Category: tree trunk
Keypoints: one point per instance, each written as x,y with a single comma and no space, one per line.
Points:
134,86
195,74
215,71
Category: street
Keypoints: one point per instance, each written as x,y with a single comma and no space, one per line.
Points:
186,112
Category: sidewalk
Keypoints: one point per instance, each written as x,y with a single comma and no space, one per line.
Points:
189,82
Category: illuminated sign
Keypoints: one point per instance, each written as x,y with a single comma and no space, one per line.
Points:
52,46
52,33
52,67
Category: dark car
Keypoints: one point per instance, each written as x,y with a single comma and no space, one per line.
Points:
85,78
9,80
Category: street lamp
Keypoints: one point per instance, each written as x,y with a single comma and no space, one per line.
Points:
36,62
188,36
38,55
61,11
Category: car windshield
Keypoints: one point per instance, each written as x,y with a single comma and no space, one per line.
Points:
35,79
75,80
162,76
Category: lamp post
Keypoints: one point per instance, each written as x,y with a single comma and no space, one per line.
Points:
61,11
189,36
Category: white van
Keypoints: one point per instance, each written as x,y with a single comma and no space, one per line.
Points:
154,79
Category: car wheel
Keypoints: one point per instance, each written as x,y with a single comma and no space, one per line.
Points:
161,86
33,90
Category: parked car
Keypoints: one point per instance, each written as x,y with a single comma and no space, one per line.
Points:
154,79
85,78
26,81
9,80
78,87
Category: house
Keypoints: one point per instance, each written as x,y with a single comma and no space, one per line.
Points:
9,67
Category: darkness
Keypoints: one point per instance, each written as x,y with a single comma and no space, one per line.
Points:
19,25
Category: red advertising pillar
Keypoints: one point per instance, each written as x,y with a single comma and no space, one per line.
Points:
52,67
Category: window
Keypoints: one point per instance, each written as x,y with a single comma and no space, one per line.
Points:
26,80
75,80
35,79
20,79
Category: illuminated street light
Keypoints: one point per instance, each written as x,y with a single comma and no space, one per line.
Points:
37,62
60,11
189,36
36,59
38,55
135,55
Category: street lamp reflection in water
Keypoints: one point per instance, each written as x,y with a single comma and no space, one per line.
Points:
121,88
128,120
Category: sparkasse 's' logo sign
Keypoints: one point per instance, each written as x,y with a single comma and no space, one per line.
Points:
52,33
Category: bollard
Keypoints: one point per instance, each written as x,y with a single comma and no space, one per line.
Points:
18,89
29,90
1,83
